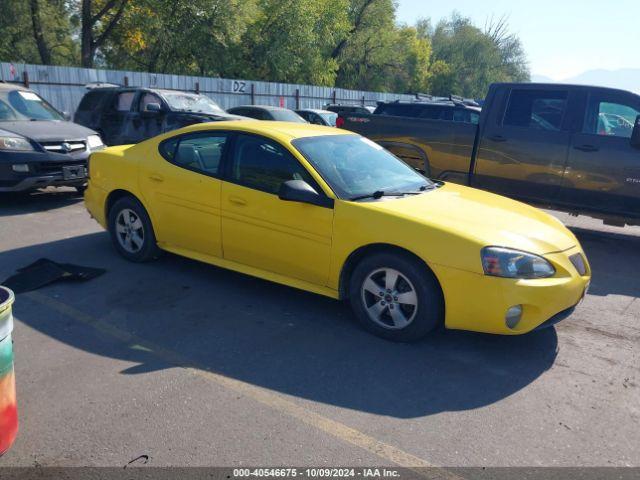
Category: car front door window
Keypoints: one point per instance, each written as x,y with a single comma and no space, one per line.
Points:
263,165
610,117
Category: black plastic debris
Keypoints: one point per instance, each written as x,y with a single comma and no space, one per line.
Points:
45,272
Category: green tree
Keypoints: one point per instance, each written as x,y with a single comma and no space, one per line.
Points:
291,41
471,59
37,31
178,36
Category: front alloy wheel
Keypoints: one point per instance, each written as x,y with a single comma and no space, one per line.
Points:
395,296
390,298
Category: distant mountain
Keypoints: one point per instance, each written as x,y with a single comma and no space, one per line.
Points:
542,79
626,79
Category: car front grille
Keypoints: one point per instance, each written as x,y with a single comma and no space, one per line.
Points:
578,261
66,146
55,168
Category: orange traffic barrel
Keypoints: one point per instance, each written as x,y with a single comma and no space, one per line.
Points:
8,406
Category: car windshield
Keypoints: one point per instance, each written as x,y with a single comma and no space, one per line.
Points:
23,105
354,166
330,118
287,116
191,102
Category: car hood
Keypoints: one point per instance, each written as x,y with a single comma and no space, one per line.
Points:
47,130
486,218
214,117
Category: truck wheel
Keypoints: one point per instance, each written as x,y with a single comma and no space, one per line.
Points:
131,231
396,297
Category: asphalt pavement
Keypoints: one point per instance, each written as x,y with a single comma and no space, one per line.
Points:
190,364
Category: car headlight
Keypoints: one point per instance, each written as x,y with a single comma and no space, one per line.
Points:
94,142
15,144
509,263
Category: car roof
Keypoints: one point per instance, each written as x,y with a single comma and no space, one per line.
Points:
279,130
435,103
260,107
13,86
314,110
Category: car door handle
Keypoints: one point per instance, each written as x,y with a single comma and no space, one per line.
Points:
237,200
497,138
586,148
156,177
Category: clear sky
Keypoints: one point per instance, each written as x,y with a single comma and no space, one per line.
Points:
562,38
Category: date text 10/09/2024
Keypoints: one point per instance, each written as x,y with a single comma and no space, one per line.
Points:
316,472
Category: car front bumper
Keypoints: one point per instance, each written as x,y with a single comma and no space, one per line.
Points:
45,169
479,303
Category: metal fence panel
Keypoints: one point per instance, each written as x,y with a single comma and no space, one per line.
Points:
64,87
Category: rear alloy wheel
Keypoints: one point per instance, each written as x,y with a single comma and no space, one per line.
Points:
131,231
396,297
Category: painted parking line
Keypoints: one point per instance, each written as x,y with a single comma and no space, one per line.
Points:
266,397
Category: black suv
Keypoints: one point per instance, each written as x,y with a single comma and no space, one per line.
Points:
124,115
38,146
346,109
451,110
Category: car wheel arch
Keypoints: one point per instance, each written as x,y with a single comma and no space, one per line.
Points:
119,193
366,250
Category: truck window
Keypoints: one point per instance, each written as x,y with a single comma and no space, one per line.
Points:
399,110
609,117
435,112
537,109
466,116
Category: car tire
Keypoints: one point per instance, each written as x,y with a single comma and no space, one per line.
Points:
408,304
131,231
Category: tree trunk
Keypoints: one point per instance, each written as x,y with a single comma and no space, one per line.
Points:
38,34
86,41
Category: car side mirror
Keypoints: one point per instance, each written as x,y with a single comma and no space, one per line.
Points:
152,107
635,135
66,115
301,191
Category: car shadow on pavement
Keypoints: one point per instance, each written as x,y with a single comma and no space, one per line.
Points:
614,259
21,203
271,336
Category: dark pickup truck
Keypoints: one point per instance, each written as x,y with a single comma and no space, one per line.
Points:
568,147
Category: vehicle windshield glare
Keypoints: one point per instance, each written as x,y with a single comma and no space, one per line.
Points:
354,166
23,105
287,116
191,102
330,118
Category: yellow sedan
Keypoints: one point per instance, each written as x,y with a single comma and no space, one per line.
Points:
333,213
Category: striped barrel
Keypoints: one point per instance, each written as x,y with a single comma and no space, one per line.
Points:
8,406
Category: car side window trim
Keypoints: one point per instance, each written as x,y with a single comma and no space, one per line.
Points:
186,136
228,163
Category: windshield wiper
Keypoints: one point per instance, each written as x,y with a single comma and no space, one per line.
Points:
381,193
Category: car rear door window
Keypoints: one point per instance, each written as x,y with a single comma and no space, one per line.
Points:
610,117
536,109
201,153
90,101
264,165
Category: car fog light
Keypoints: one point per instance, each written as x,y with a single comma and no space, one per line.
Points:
20,167
513,316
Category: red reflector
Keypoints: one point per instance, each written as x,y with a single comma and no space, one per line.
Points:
339,122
